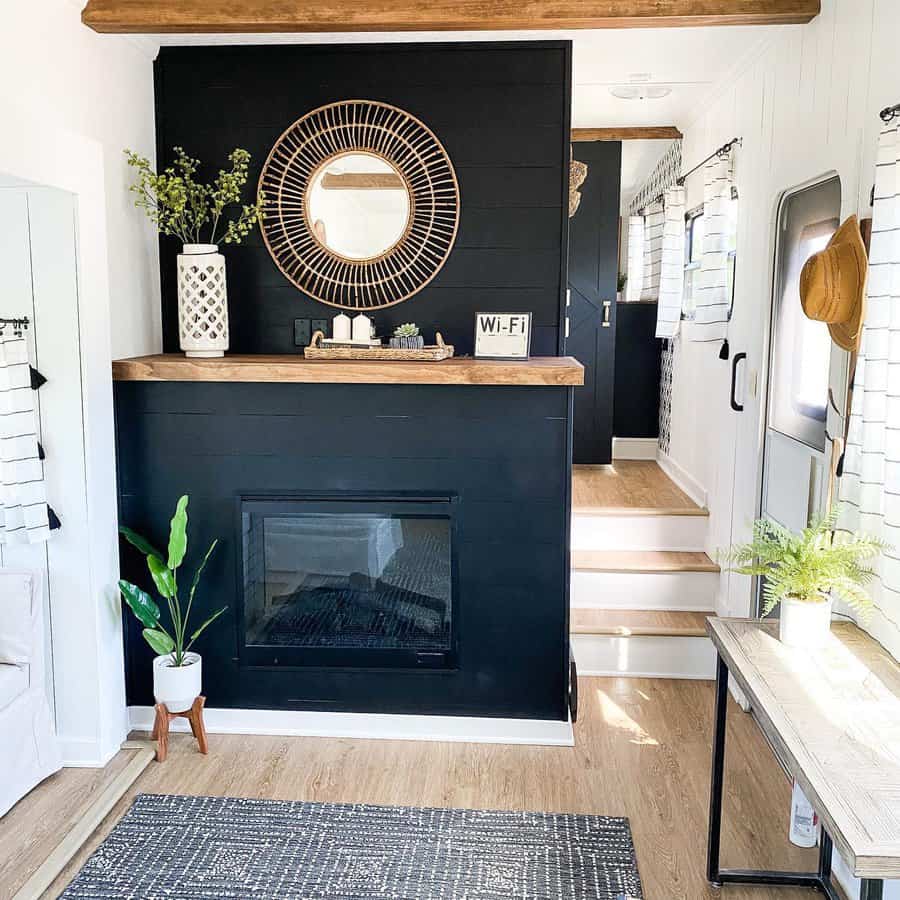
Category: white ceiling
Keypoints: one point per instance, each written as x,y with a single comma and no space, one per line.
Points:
688,60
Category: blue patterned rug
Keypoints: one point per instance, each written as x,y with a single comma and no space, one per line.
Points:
222,847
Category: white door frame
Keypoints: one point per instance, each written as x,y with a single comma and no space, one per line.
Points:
89,679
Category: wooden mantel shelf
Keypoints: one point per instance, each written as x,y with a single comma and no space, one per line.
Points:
548,371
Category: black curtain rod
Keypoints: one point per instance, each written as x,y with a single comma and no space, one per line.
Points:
724,150
21,322
890,113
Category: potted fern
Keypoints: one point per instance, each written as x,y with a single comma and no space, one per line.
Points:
177,670
804,571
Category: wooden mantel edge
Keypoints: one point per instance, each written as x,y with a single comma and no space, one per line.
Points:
625,133
547,371
259,16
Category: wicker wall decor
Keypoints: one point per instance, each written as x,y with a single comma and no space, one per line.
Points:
414,152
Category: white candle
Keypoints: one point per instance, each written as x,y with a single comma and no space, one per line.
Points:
340,327
362,328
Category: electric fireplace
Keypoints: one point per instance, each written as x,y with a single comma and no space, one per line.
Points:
347,581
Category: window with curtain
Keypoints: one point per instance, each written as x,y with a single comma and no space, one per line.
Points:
693,250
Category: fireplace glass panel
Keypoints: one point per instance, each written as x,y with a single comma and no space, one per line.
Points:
349,586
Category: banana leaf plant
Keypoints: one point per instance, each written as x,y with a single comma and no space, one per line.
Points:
174,640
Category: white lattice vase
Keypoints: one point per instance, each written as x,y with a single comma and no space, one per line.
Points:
202,301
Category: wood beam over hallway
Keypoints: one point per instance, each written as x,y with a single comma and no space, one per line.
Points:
640,133
221,16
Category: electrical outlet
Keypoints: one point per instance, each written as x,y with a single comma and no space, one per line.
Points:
302,333
320,325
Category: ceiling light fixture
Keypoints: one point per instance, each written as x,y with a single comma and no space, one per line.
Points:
640,91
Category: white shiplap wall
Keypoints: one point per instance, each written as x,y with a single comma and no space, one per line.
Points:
805,105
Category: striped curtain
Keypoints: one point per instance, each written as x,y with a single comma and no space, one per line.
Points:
653,241
635,282
671,283
713,302
870,486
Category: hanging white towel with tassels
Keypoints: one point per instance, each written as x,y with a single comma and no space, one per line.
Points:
635,282
671,279
713,303
23,498
870,486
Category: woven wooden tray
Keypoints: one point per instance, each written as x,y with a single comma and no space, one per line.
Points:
433,353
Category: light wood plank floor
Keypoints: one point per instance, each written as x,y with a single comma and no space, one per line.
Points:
642,751
627,484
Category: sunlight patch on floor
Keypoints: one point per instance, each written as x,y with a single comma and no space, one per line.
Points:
616,717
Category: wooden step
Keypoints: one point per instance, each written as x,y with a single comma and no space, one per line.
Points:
641,561
639,622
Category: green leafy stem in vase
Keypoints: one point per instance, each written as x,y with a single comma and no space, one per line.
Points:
809,565
174,640
177,204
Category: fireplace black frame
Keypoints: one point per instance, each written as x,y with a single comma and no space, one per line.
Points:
443,504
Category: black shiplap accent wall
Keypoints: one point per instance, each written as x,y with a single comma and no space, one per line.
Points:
501,451
502,111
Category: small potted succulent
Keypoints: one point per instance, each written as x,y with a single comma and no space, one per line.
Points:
407,337
177,671
200,215
804,571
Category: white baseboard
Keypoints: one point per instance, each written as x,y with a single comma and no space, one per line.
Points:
634,448
84,753
682,478
302,723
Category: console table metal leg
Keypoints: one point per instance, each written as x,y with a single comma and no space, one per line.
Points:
718,769
871,889
825,853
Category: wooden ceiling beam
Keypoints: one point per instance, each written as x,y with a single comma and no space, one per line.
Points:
233,16
639,133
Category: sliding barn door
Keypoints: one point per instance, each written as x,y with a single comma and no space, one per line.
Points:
593,270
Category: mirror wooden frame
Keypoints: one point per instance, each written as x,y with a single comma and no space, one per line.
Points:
407,144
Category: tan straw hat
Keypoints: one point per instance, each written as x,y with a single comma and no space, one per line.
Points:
833,285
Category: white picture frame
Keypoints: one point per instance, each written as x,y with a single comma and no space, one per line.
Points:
502,335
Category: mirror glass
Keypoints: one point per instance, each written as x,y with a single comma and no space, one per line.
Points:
358,205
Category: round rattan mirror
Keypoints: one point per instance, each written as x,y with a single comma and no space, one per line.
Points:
362,204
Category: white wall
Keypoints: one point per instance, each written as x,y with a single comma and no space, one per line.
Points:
806,103
54,69
70,101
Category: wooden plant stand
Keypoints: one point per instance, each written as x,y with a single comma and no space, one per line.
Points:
194,715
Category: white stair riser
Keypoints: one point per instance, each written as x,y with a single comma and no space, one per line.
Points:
685,591
639,532
644,656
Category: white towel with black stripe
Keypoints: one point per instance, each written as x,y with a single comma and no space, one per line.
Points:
23,498
870,485
713,303
671,279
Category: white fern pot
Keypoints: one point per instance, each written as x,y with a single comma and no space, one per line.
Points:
202,301
804,624
177,686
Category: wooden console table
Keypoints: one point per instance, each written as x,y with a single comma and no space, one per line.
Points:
833,715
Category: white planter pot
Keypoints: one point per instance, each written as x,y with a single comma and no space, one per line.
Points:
202,301
804,624
177,686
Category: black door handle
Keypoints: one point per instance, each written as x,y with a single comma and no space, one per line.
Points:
737,407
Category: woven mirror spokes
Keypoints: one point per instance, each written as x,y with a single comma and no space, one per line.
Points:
346,131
